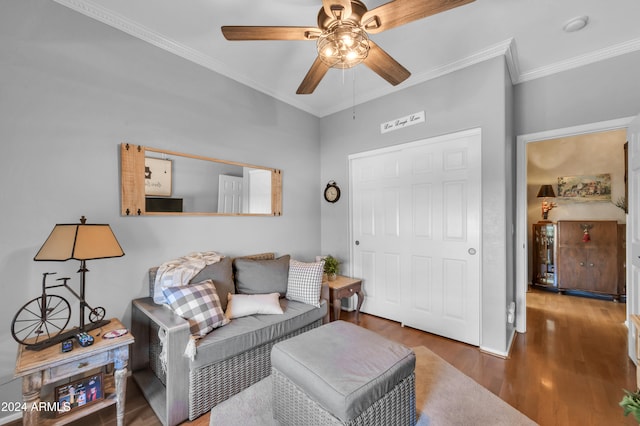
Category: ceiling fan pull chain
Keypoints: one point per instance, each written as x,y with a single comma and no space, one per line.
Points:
354,93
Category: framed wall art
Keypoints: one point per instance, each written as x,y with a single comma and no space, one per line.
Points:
585,188
157,177
80,393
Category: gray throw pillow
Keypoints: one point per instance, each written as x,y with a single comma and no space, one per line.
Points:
221,273
262,276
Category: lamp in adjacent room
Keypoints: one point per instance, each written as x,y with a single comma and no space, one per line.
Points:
81,241
546,191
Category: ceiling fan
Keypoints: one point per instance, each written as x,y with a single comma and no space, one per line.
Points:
342,35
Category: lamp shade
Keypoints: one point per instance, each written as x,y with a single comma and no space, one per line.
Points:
81,242
546,191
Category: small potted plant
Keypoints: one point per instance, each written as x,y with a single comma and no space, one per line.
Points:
331,267
631,404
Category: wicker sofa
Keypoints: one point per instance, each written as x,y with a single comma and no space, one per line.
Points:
228,360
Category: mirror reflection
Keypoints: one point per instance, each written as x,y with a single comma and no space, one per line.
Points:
167,182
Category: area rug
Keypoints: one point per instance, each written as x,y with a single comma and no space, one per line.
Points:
444,397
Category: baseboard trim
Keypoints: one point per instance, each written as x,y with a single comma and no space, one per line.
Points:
501,354
10,418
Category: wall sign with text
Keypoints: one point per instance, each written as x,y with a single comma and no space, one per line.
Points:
402,122
157,177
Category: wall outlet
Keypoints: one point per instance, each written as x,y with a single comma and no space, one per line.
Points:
511,313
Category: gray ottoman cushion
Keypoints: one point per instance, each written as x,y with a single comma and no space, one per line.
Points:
343,367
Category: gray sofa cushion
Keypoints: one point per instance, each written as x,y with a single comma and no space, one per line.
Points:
262,276
243,334
221,273
343,367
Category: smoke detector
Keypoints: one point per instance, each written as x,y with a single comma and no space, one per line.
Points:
575,24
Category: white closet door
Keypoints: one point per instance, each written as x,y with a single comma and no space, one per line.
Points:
229,194
416,230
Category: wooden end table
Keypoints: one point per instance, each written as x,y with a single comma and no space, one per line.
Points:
39,368
345,287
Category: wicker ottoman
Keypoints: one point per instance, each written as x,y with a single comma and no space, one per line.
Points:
342,374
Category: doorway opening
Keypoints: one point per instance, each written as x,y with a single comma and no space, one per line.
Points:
528,211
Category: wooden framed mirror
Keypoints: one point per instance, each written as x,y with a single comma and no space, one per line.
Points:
160,182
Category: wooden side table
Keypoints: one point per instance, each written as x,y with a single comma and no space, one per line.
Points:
345,287
39,368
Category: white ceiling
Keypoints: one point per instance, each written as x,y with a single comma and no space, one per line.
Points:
528,32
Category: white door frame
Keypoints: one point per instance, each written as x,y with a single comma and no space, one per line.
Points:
633,279
522,264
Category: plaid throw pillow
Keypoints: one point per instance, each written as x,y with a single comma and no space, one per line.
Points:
305,282
199,304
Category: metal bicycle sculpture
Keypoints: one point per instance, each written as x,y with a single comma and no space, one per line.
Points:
42,321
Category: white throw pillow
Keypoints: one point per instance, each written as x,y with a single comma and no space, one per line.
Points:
242,305
305,282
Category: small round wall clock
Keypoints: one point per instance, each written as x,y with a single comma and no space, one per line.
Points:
332,192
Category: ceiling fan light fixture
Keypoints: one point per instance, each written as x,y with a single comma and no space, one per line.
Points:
341,35
343,45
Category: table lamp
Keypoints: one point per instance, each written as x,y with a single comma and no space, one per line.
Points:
81,241
546,191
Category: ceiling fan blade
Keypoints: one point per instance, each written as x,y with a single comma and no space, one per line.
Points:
270,33
339,9
385,66
313,77
400,12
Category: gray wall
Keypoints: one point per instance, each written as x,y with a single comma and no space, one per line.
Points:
510,202
605,90
470,98
71,90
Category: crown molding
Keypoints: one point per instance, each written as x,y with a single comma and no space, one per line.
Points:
506,48
90,9
86,7
581,60
511,58
499,49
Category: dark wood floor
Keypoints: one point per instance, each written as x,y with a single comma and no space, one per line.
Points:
568,369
